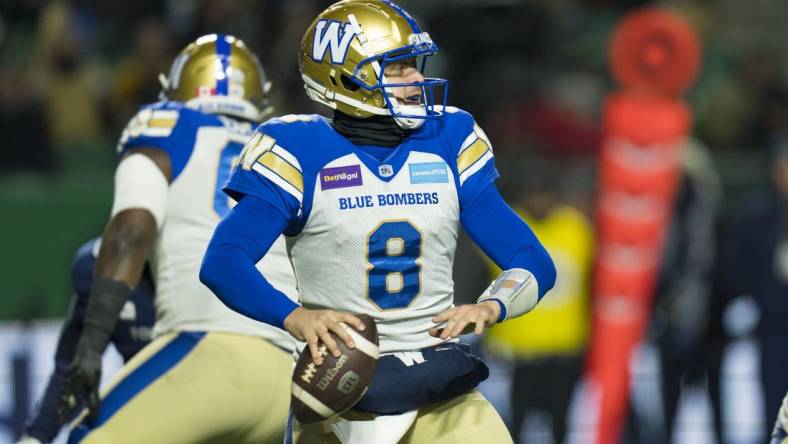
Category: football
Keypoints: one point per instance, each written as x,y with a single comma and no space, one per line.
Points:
320,392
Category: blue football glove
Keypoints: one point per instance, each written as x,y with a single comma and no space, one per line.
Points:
81,383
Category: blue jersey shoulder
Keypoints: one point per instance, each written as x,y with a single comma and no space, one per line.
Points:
88,250
280,162
310,138
169,126
468,151
453,128
83,264
457,119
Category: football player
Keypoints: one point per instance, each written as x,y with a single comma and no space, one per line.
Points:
132,333
780,434
371,203
210,374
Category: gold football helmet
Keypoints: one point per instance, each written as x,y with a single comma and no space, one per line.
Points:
344,54
219,74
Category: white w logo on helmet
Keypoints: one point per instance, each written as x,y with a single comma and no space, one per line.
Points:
333,34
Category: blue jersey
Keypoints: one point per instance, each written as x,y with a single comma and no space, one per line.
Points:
371,230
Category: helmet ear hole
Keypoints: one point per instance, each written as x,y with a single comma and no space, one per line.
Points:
348,84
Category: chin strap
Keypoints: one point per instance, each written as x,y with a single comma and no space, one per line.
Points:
516,290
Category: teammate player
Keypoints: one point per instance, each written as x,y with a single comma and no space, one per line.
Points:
210,375
371,203
132,333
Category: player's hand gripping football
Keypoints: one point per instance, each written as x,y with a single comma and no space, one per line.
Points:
464,319
81,384
313,325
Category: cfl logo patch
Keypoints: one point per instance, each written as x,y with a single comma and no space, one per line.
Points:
334,37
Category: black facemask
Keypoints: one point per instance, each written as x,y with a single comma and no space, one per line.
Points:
375,130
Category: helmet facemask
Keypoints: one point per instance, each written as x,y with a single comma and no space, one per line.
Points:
407,115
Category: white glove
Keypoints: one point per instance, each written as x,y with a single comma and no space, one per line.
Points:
28,440
783,415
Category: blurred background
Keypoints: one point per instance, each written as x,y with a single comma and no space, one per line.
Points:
535,75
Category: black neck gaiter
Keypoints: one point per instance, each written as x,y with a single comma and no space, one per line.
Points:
375,130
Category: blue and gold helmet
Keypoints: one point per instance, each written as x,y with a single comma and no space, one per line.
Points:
344,54
219,74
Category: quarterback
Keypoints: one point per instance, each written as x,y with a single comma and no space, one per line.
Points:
371,203
210,374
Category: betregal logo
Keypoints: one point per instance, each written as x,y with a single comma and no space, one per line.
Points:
340,177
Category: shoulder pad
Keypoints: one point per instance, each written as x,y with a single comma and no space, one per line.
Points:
297,133
168,126
292,122
163,120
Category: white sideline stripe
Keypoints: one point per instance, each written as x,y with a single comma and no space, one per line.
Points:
363,343
312,402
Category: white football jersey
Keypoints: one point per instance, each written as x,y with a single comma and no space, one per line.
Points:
202,149
374,246
371,235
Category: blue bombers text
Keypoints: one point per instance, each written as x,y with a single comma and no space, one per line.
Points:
382,200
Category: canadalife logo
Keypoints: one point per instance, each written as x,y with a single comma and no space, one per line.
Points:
340,177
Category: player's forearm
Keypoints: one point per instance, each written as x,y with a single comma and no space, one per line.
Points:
239,285
138,210
537,261
242,238
507,239
126,244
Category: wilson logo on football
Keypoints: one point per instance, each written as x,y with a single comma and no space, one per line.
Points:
331,373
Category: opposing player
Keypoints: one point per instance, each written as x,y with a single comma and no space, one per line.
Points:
780,433
371,203
132,332
210,374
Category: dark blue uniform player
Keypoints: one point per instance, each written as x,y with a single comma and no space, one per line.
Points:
779,436
131,334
